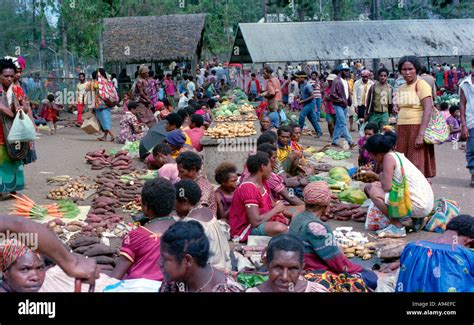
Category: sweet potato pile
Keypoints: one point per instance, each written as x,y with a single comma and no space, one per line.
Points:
100,159
102,215
91,247
111,186
343,212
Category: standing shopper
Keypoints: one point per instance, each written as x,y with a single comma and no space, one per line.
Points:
415,108
80,97
361,90
341,100
379,101
317,93
306,100
467,118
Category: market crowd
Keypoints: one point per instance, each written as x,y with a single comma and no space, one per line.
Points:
181,240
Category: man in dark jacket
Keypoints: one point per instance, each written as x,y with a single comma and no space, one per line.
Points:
341,99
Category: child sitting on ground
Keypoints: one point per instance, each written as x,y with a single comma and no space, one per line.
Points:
36,114
454,123
226,177
364,157
140,251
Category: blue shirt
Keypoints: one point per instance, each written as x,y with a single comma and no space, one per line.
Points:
275,118
306,91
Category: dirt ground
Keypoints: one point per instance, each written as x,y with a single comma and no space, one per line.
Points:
63,154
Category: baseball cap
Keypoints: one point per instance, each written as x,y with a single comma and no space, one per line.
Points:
343,66
300,74
331,77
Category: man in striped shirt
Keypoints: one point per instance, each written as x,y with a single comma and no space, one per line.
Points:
317,93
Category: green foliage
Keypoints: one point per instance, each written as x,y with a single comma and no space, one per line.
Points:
83,18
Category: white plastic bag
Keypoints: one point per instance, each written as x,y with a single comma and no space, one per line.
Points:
375,220
134,285
22,130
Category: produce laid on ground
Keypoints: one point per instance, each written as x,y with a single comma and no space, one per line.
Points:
102,216
338,155
353,195
110,185
26,207
451,99
231,130
363,176
74,188
100,159
133,206
344,212
61,179
353,243
92,247
340,174
132,148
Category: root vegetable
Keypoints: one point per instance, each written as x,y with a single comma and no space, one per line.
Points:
73,228
105,267
87,228
81,249
84,241
59,222
58,230
99,249
104,260
350,255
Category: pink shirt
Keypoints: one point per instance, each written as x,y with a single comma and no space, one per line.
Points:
169,87
142,247
195,135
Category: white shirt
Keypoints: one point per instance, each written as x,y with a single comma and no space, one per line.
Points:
346,87
191,89
359,90
468,89
183,102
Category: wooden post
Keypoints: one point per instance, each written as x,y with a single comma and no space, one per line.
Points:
393,65
428,63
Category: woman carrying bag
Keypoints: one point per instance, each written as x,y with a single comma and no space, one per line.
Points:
11,153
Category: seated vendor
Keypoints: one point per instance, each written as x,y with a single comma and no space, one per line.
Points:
196,131
23,270
321,251
140,249
176,139
276,183
252,210
384,193
265,124
226,176
188,195
130,128
190,167
364,156
284,261
185,252
442,264
289,159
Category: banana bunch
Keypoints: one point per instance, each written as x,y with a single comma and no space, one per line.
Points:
354,249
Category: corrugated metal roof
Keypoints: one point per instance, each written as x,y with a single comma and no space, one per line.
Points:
152,38
334,40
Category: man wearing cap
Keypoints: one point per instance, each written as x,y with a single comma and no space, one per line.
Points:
307,100
361,90
341,99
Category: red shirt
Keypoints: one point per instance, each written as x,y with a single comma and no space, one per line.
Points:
142,247
247,194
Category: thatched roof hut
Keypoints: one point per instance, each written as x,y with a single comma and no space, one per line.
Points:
153,38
